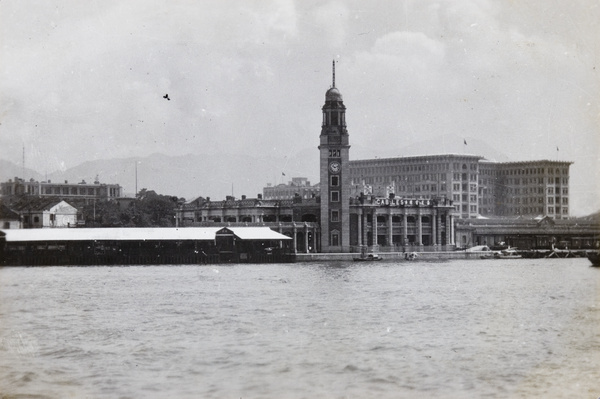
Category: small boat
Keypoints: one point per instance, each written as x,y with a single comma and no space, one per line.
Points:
368,258
594,257
509,253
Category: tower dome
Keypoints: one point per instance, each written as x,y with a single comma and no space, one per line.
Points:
333,94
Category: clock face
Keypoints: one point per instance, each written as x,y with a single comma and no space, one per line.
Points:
334,167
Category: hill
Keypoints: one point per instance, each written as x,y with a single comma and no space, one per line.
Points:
188,176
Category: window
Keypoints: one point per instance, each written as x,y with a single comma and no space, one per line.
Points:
335,238
335,216
335,181
334,118
36,219
335,196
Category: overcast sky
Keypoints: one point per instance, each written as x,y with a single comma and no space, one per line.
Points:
83,80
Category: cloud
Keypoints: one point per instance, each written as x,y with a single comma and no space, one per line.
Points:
330,20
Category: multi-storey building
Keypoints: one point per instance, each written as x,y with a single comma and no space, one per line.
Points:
477,187
527,188
299,186
450,176
81,190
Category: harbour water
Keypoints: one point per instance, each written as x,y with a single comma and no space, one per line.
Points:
527,328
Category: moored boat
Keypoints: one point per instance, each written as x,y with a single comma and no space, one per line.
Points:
594,257
509,253
368,258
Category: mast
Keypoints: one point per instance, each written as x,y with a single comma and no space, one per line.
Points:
333,70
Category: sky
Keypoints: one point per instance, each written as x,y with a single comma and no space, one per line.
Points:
85,80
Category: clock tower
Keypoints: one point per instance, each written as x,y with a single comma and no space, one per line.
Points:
334,174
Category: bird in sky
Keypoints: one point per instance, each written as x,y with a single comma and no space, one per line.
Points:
167,97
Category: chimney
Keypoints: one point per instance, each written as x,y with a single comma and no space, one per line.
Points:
259,196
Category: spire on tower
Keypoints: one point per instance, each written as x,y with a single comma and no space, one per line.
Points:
333,68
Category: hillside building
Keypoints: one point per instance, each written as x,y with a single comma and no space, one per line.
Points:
298,186
66,190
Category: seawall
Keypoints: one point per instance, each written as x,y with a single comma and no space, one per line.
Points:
441,255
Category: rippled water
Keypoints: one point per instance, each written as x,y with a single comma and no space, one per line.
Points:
455,329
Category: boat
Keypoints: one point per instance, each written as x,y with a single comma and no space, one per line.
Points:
509,253
368,258
594,257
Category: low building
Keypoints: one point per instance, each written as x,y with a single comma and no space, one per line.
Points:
524,233
399,224
9,219
45,213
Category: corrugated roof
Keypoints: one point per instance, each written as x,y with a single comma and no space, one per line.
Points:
35,204
138,234
257,233
7,213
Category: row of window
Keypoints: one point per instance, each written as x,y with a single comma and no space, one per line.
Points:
537,180
536,210
464,198
465,208
535,171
